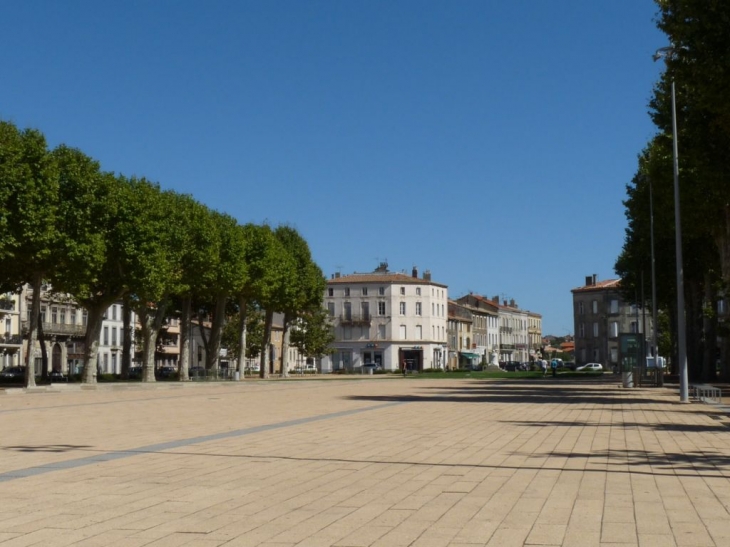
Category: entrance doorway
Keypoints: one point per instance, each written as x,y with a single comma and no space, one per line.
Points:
412,358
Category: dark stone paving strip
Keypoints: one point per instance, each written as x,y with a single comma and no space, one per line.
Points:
158,447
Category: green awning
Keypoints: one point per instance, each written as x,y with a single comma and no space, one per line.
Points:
470,355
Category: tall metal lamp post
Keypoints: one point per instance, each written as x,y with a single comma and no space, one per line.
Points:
664,53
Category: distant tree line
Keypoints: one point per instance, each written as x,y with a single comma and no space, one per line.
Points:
698,62
103,237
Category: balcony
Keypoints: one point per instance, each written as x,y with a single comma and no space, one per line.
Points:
11,340
57,329
507,346
354,320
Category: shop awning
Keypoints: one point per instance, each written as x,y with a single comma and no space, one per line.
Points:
470,355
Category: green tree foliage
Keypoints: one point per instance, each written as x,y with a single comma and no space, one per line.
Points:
699,65
305,287
313,333
89,267
29,234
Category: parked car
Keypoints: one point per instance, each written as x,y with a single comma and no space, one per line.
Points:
135,373
57,376
12,374
196,372
166,371
591,367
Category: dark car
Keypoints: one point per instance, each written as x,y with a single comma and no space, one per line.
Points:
196,372
166,371
135,373
12,374
57,376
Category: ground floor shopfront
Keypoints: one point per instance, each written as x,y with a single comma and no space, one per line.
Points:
389,357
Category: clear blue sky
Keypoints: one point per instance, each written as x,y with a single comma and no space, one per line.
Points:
487,141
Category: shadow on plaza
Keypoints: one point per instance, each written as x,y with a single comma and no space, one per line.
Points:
516,392
719,427
694,463
47,448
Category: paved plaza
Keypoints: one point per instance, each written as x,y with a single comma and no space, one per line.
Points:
368,462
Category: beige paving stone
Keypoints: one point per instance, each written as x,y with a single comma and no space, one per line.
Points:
416,472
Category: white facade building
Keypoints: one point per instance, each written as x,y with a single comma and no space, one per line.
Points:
389,319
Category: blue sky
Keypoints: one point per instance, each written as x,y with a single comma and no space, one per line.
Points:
489,142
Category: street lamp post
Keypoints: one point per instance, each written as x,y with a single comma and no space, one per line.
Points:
667,52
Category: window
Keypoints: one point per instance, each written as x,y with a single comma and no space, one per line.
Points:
114,336
364,291
614,306
403,332
581,311
381,308
381,332
54,315
634,327
419,332
348,311
114,312
85,318
43,314
73,316
347,333
403,290
402,308
347,291
330,291
596,355
418,308
418,291
365,310
614,355
106,362
63,316
613,329
381,291
106,336
331,309
582,330
594,306
114,363
595,330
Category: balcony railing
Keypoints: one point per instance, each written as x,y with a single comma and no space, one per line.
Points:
11,339
58,328
355,320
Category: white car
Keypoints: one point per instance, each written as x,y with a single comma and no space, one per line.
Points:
591,367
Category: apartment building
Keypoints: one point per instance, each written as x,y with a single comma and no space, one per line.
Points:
459,334
603,319
11,342
387,318
485,314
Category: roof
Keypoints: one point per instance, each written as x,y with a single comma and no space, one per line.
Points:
391,278
599,286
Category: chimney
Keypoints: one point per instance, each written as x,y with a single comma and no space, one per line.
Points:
512,302
427,275
594,278
337,275
414,273
495,299
588,281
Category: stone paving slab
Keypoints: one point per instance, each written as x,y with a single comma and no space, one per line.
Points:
359,463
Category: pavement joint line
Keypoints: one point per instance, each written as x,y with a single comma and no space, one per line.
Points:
159,447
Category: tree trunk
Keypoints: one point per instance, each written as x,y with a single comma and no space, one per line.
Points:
151,323
185,332
216,329
693,324
44,351
265,343
91,341
709,327
242,312
285,349
35,312
128,333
